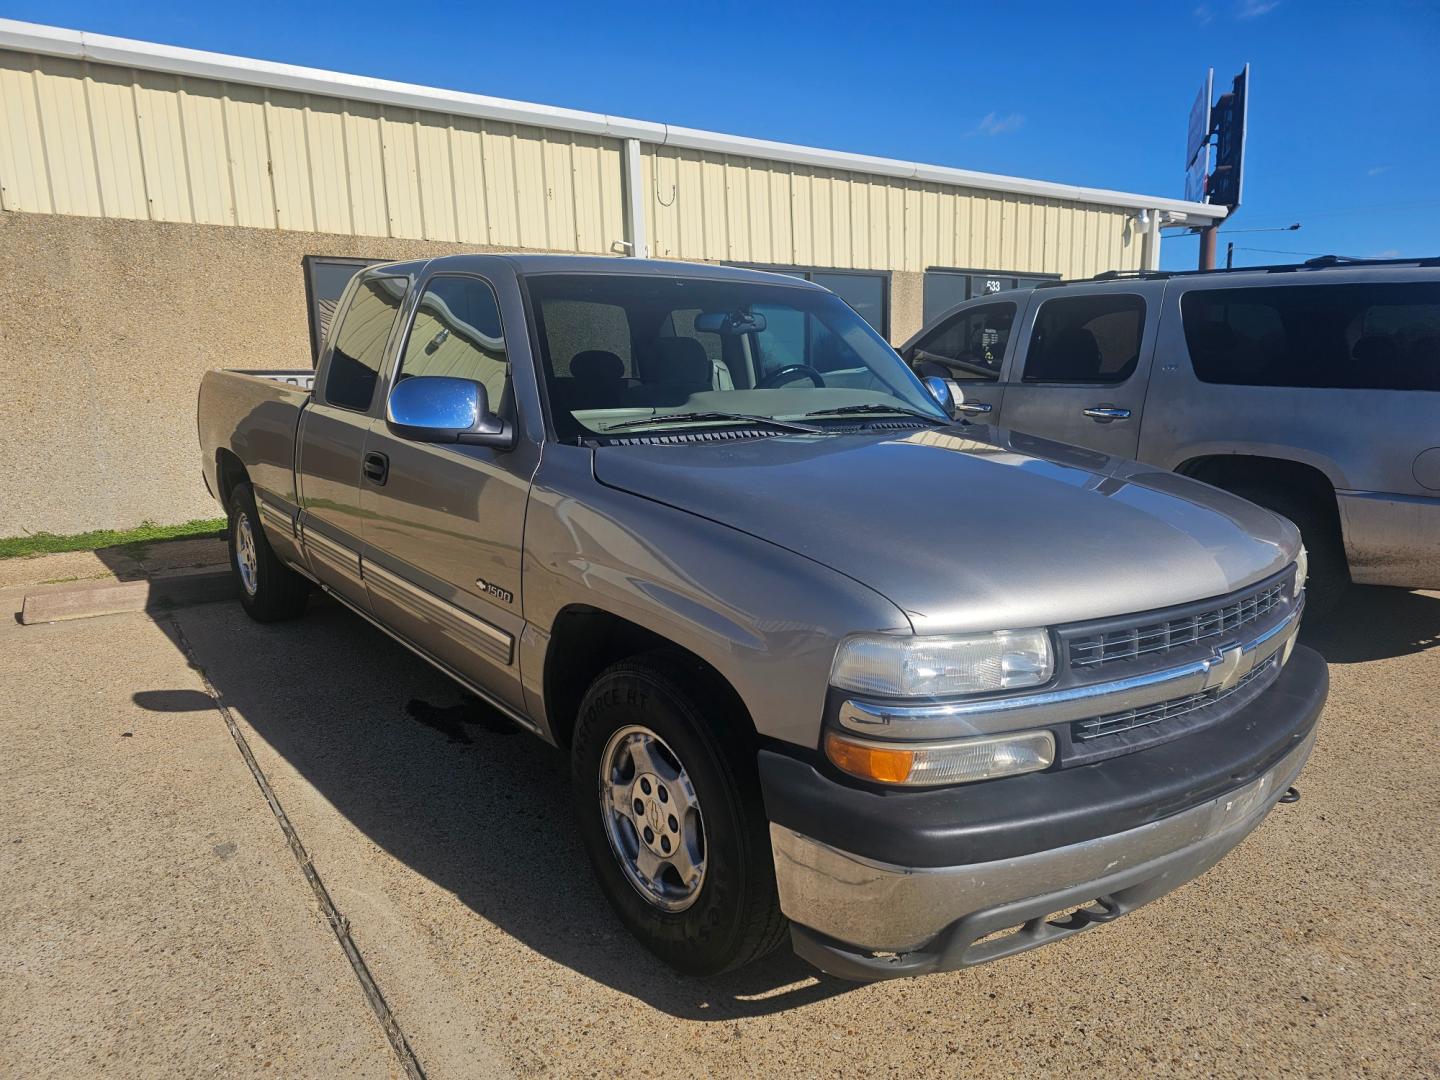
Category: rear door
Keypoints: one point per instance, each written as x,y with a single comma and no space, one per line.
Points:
969,349
331,441
1082,365
444,524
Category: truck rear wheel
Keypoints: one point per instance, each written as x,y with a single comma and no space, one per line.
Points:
269,590
672,819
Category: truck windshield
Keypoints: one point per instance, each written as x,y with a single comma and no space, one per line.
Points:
623,352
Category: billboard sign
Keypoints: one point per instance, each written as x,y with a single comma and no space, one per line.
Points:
1197,141
1231,113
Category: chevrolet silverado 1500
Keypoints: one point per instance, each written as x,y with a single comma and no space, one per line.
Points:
827,662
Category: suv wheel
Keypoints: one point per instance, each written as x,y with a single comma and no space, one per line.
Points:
269,590
1329,576
672,819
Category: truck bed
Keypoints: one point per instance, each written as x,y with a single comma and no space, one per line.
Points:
255,415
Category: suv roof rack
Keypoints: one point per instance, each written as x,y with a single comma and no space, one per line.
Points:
1320,262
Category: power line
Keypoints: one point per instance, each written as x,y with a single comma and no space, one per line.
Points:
1277,251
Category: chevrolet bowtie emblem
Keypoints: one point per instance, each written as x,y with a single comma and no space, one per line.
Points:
1227,667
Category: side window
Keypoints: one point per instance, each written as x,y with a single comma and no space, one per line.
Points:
1086,339
457,332
360,342
969,347
1382,336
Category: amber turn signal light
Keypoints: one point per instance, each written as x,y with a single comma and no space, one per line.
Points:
880,763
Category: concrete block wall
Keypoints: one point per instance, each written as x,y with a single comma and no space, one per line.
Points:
106,327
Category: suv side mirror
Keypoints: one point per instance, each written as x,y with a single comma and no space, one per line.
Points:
441,409
940,390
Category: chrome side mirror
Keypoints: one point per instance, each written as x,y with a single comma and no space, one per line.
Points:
441,409
940,390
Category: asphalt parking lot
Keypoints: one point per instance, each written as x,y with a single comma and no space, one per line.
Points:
155,920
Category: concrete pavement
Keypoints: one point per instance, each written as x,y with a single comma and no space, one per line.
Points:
445,839
152,920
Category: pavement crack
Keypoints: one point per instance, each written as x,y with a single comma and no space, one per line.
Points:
339,924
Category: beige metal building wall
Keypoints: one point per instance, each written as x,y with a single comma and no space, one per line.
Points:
78,137
740,209
102,141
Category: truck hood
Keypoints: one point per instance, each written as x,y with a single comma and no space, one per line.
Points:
971,527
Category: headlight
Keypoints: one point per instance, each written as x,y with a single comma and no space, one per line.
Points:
957,761
935,666
1302,571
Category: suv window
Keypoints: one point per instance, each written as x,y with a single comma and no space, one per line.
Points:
457,332
360,342
968,348
1086,339
1371,336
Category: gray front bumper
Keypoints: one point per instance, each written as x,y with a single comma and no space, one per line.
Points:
862,919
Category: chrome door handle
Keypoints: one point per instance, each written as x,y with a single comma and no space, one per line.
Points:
974,406
1105,413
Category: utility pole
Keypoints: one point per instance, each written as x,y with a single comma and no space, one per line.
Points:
1230,255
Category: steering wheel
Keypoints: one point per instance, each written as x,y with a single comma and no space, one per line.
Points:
788,372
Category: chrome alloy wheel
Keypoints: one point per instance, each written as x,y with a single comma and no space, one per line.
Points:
245,560
652,818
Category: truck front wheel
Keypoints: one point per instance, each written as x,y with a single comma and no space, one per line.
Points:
670,812
269,590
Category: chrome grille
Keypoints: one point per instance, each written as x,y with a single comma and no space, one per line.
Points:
1128,643
1146,715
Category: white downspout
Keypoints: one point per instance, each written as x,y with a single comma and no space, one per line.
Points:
637,243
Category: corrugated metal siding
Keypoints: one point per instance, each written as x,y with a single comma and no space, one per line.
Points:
102,141
719,207
98,140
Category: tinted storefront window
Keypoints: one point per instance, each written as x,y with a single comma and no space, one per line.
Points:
868,294
946,288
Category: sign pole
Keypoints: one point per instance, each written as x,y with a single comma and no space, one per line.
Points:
1207,246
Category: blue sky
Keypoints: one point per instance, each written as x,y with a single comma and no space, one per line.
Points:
1345,112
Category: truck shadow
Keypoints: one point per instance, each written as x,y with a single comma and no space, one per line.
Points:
453,790
1374,623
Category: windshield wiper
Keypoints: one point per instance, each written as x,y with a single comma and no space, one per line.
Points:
739,418
875,407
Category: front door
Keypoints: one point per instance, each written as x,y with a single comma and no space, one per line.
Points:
444,524
1080,374
968,349
333,430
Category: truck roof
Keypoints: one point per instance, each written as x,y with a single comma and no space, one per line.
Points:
603,264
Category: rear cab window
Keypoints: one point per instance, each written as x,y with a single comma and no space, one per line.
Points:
1091,340
360,341
1373,336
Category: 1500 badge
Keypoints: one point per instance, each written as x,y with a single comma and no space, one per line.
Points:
503,595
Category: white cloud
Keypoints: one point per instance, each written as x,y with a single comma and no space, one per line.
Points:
1253,9
1377,170
1204,13
1388,253
995,124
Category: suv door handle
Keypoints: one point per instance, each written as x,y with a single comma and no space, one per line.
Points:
1103,414
377,468
974,406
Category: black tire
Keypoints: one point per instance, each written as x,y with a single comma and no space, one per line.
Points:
276,592
1329,576
734,918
